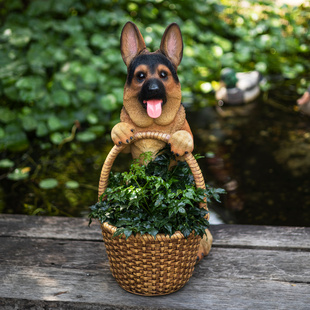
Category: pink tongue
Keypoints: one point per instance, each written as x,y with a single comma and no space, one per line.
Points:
154,108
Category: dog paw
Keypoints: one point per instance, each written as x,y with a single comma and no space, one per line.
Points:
205,245
181,143
122,133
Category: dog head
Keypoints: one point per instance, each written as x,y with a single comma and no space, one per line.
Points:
152,92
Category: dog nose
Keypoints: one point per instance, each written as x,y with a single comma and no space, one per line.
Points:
153,86
151,89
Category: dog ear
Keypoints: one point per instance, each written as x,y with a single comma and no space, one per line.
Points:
172,44
132,42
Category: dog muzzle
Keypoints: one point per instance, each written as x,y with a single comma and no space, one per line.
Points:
153,97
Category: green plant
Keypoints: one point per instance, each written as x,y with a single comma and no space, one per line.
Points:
62,75
151,198
60,60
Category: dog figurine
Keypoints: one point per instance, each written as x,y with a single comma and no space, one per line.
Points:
152,98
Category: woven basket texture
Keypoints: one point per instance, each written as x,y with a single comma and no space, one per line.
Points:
141,264
149,267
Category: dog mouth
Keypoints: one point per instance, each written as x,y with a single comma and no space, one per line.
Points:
153,107
153,97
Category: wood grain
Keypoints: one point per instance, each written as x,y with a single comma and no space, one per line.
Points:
222,262
273,237
61,263
74,285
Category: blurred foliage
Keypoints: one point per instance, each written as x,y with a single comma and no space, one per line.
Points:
62,76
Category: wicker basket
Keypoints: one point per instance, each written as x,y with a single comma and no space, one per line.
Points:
141,264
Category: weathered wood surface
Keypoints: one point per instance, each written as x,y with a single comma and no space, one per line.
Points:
61,263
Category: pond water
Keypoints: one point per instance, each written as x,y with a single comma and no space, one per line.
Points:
260,153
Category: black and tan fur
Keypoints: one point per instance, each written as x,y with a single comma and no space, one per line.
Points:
143,67
152,77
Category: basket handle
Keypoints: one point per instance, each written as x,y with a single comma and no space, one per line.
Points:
189,158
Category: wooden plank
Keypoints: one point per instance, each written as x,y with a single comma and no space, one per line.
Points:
97,288
49,227
271,265
60,263
53,253
257,264
264,237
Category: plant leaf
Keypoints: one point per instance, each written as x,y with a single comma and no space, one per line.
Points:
48,183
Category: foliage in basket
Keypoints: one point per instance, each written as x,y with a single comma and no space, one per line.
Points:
151,198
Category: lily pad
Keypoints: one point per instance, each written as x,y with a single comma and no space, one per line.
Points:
86,136
72,184
48,183
6,163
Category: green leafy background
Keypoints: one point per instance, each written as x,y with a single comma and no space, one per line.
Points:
62,76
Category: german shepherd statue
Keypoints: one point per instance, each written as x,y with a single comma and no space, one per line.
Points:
152,98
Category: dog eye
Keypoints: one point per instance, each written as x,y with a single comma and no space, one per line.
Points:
140,76
163,74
